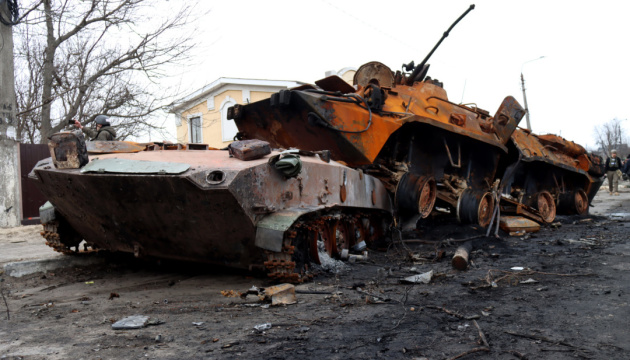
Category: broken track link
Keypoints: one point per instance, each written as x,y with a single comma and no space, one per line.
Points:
53,238
62,242
281,265
300,245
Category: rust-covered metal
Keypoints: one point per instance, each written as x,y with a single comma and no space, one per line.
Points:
395,132
322,166
550,174
398,126
215,208
411,136
517,225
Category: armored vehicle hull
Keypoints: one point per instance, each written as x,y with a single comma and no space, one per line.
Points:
207,206
406,132
548,172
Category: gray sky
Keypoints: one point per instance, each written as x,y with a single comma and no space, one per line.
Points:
583,81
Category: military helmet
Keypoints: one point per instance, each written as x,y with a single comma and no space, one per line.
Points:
102,120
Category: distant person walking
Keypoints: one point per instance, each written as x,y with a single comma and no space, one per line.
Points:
103,132
613,165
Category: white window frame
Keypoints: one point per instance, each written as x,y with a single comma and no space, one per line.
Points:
190,131
226,124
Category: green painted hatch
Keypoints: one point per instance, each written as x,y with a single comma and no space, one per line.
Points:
125,166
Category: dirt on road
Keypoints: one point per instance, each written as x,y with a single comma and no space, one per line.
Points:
560,293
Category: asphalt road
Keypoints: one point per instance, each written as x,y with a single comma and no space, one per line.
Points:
570,300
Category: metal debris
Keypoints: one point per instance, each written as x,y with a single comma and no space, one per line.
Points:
281,294
262,327
423,278
131,322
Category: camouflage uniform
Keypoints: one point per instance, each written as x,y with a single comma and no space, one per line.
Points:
103,134
613,165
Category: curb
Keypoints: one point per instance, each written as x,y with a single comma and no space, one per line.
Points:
22,268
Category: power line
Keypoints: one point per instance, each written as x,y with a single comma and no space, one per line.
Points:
365,23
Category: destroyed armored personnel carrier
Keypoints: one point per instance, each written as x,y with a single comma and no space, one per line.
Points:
429,151
271,211
317,169
549,173
400,127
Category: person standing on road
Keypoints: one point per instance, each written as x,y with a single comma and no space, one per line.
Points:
104,131
613,165
626,167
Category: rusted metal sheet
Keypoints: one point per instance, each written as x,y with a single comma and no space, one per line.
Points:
390,128
517,224
108,147
356,135
249,149
68,150
215,204
334,83
556,166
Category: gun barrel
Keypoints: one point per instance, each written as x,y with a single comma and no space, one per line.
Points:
420,66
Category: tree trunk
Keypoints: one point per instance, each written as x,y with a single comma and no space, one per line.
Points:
47,72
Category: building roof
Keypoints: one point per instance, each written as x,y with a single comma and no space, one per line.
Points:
213,88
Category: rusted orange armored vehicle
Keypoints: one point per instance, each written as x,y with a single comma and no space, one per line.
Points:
400,127
271,210
549,173
275,200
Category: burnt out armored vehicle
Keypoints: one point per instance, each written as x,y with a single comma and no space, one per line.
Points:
400,127
245,208
399,149
547,172
428,151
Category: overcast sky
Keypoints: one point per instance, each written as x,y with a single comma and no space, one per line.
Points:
582,81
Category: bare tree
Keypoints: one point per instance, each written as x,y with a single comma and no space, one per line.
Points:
610,135
79,59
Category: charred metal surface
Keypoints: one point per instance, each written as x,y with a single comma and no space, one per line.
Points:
390,128
205,206
416,194
517,224
107,147
68,150
373,73
507,118
334,83
392,136
475,207
549,163
249,149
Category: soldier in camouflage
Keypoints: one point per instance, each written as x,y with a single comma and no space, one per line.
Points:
613,166
103,131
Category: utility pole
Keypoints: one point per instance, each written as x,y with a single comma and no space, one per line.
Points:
529,125
10,212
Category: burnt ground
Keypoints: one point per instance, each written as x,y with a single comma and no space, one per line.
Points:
574,306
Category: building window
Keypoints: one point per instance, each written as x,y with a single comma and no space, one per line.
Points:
228,127
195,129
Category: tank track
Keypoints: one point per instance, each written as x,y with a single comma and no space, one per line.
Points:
53,238
300,245
282,267
62,238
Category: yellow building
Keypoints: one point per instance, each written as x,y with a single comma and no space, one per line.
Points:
347,74
201,117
